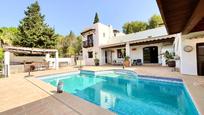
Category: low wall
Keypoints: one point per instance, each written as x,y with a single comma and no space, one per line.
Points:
16,69
62,61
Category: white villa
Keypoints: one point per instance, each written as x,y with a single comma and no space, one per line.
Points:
107,44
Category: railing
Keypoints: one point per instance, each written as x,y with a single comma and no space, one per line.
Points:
87,44
90,44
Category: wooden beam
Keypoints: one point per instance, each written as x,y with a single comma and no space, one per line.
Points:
117,46
197,15
162,14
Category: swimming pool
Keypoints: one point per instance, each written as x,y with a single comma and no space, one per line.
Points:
126,93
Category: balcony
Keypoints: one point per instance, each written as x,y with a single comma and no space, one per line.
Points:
87,44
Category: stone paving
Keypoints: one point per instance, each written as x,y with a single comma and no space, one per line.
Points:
20,95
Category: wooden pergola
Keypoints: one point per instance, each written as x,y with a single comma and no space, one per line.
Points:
182,15
26,50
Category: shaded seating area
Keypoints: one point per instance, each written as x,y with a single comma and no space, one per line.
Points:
28,64
36,66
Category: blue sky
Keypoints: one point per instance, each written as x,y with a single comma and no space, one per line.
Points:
75,15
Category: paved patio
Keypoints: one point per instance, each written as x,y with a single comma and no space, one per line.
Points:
22,95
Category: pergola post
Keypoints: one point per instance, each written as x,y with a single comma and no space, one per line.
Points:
47,57
56,60
6,67
127,50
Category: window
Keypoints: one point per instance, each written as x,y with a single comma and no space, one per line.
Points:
90,39
121,53
90,36
90,54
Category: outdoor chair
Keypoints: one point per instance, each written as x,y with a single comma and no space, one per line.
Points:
137,62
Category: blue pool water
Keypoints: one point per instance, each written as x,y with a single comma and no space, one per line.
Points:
128,95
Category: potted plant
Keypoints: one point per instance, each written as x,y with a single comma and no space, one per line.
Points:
170,61
126,61
96,60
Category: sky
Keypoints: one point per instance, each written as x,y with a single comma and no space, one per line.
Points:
75,15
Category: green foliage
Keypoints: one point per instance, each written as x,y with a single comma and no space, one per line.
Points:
69,45
126,58
33,31
75,46
78,45
136,26
1,54
96,60
59,44
96,18
168,56
7,35
155,21
1,57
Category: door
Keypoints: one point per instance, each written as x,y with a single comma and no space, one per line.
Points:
109,57
200,58
106,58
150,54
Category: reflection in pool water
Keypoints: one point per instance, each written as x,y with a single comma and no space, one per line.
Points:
129,96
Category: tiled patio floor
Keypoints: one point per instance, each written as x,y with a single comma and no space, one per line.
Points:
30,96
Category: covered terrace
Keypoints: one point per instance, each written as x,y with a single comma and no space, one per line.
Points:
135,49
26,50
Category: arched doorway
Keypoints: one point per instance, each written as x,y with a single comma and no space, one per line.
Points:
150,54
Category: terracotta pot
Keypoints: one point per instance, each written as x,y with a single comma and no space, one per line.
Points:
126,63
171,63
96,64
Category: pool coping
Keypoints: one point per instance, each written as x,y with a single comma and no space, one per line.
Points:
168,79
74,102
164,79
192,98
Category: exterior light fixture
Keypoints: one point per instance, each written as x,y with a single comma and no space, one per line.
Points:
60,87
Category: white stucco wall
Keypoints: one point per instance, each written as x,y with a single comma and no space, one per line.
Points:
189,59
98,39
88,61
104,33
